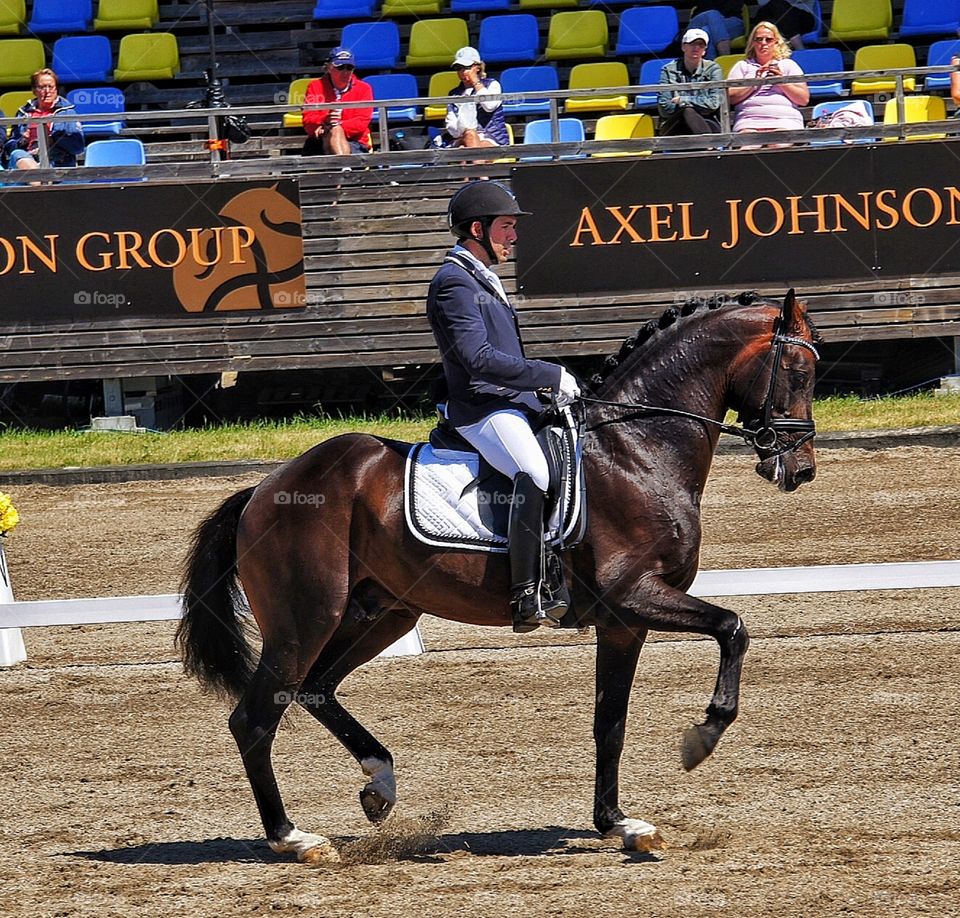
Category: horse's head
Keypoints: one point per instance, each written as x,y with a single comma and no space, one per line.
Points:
775,395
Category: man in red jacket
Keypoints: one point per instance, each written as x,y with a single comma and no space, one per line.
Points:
338,131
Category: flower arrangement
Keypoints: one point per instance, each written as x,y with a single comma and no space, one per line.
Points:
8,514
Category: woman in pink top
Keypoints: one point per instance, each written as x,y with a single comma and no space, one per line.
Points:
767,108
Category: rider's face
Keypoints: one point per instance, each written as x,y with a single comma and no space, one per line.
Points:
503,234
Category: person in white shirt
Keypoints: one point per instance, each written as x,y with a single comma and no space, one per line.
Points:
478,122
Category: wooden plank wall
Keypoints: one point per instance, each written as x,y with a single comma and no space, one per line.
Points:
373,239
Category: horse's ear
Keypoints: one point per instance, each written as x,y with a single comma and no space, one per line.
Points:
792,315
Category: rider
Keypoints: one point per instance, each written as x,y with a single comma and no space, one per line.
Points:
491,384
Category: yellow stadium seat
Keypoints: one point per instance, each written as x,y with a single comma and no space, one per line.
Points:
624,127
13,14
435,42
20,58
916,110
147,56
726,61
411,7
295,96
440,85
598,76
546,4
123,15
883,57
860,20
11,101
511,142
577,34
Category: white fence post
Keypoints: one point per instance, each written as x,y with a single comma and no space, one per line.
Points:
12,650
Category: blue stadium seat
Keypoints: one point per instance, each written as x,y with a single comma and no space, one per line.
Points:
647,30
821,60
825,108
478,6
571,131
344,9
83,59
375,45
815,37
529,79
106,100
930,17
940,54
118,151
514,37
395,86
649,73
61,16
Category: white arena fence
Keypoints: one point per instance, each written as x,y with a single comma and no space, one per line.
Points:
830,578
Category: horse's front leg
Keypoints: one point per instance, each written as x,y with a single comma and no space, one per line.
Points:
618,650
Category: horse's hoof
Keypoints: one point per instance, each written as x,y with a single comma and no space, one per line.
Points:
645,842
694,748
376,807
637,835
320,856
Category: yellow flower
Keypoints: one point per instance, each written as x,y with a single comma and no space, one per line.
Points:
8,514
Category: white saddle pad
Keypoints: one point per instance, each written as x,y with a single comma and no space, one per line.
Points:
443,509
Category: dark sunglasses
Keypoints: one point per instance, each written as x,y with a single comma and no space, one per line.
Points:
343,67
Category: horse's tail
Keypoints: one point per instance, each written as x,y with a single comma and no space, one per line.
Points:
210,636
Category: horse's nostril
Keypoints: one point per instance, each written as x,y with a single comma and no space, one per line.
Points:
806,474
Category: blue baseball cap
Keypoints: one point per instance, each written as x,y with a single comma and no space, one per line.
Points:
342,57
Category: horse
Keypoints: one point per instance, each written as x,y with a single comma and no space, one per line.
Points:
333,576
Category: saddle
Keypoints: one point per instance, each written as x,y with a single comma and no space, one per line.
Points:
453,498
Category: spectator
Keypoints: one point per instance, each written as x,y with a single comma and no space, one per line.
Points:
955,79
771,107
467,123
64,138
722,20
683,108
792,17
338,131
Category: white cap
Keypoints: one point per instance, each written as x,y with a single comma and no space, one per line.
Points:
695,35
466,57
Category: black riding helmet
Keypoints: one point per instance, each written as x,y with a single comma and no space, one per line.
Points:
481,200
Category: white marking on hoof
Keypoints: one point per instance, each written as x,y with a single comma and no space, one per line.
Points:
637,835
382,779
309,848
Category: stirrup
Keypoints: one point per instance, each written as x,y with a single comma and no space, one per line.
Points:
531,610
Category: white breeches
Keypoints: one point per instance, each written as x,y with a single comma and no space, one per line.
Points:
506,441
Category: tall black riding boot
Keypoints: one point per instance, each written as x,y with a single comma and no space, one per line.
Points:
529,608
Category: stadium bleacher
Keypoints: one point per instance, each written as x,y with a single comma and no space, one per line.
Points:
264,47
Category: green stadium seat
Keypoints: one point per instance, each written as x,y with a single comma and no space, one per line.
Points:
147,56
435,42
295,96
13,14
860,20
123,15
624,127
440,85
546,4
598,76
411,8
20,58
577,34
883,57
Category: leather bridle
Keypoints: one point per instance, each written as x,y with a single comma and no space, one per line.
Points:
764,434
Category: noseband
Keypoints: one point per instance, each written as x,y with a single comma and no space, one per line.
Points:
765,435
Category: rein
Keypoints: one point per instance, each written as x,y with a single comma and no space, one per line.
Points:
765,435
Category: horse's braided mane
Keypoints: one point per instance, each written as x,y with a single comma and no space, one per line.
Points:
649,329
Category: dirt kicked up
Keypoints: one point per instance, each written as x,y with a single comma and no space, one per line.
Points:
836,792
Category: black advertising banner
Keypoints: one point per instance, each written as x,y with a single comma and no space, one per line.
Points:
159,251
845,212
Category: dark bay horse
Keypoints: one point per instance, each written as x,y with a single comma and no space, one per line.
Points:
332,575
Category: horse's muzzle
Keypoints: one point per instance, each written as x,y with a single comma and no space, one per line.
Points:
789,470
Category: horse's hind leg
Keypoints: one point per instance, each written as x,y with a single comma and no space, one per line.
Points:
254,725
359,639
